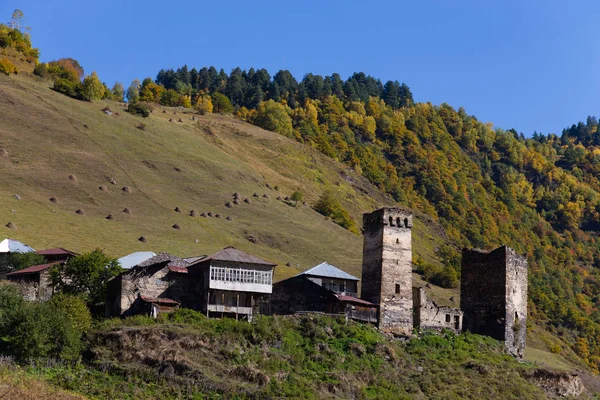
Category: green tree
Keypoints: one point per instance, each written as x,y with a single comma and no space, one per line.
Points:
93,89
274,117
133,91
18,261
297,196
330,207
221,103
118,91
75,308
86,276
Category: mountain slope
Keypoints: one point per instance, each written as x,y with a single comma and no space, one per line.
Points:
194,165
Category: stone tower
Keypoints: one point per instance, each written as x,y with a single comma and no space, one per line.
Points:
493,295
387,267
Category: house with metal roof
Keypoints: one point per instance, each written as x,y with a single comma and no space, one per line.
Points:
135,258
8,246
232,283
227,283
323,288
34,281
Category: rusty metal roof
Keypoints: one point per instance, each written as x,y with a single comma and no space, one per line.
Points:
234,255
159,300
352,299
33,269
175,268
57,251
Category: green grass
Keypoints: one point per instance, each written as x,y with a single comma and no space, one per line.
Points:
308,357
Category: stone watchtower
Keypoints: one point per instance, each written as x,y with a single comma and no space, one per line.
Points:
387,267
493,296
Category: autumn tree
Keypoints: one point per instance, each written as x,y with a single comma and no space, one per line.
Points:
118,91
93,89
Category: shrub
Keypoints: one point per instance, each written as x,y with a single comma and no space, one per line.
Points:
75,308
331,207
204,105
7,67
40,330
68,88
139,109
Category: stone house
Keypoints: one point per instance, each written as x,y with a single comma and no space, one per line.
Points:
143,288
229,282
34,282
323,288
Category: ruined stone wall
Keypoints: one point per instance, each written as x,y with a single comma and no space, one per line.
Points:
387,267
482,292
427,315
150,282
516,302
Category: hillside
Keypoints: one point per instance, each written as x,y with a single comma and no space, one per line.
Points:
194,165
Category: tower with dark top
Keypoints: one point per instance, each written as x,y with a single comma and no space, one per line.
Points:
493,296
387,267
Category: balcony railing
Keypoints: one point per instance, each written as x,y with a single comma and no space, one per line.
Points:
229,309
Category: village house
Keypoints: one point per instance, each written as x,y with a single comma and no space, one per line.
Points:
34,281
227,283
231,282
323,288
8,246
147,288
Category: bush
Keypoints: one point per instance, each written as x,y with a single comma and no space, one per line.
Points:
68,88
331,207
7,67
31,331
75,308
142,109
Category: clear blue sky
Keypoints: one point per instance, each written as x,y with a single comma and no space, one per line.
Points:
528,65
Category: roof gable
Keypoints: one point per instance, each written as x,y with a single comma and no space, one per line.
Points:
327,270
57,251
33,269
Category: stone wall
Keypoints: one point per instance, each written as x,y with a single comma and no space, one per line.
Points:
387,267
427,315
516,302
494,295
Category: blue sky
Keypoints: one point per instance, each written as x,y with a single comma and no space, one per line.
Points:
528,65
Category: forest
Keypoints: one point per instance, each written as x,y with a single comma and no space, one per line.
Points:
487,186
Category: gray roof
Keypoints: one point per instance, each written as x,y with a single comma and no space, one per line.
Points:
163,258
9,245
234,255
133,259
327,270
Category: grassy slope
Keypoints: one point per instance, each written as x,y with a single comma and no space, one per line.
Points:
49,136
46,138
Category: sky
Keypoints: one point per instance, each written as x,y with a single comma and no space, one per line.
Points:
527,65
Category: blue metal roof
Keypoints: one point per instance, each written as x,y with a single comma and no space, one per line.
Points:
133,259
14,246
328,271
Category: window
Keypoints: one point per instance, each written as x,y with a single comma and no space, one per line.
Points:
398,223
448,318
406,222
397,288
391,219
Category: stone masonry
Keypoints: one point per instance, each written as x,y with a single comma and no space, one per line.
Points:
428,315
494,296
387,268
